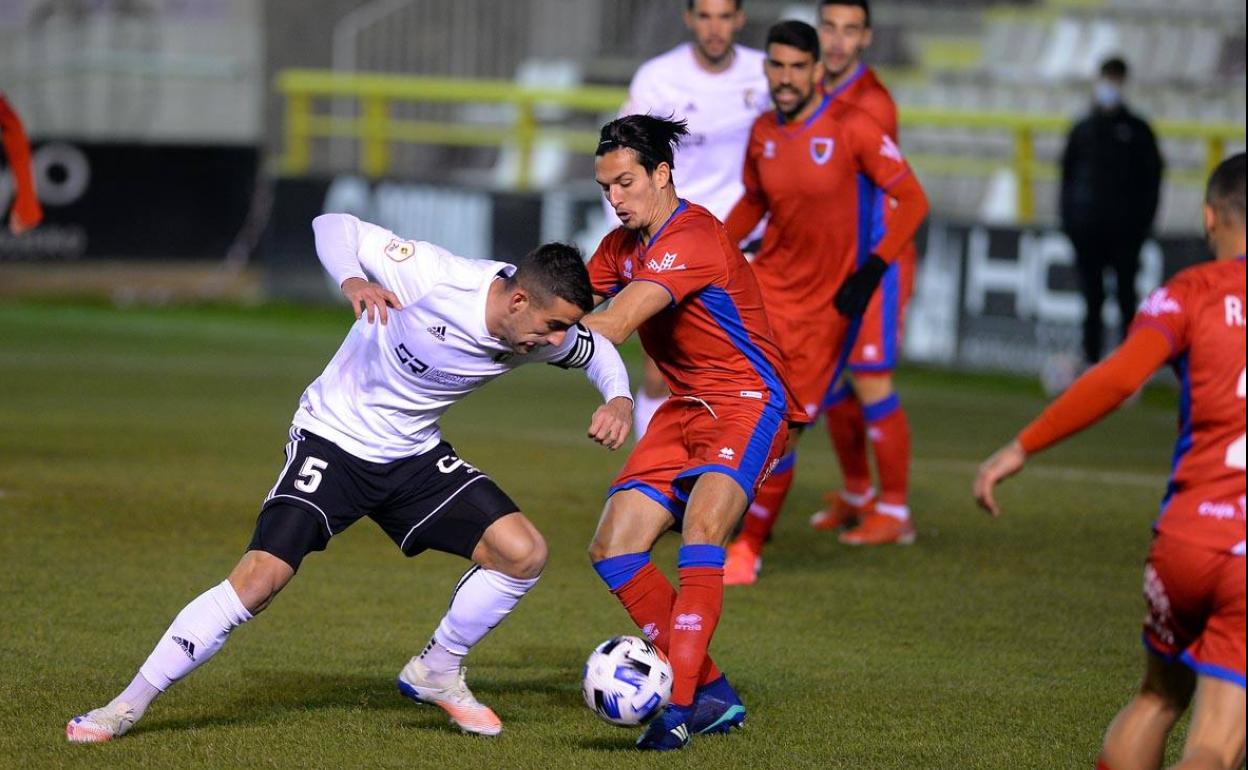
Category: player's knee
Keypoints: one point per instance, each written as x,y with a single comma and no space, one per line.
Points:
258,578
286,533
598,551
517,550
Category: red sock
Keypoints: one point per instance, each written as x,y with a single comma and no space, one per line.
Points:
694,617
763,513
890,437
848,430
648,598
1101,764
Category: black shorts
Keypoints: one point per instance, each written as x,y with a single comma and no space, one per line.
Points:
433,501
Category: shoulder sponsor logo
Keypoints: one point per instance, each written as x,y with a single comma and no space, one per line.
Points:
821,149
890,150
668,263
425,372
398,250
687,622
769,149
1160,303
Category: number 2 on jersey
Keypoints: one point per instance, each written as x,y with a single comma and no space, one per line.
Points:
1235,452
310,474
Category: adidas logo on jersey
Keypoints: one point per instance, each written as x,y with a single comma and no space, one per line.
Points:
439,332
187,646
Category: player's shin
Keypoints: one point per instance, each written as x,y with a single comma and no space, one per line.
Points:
763,513
848,430
195,635
695,614
648,598
890,438
482,599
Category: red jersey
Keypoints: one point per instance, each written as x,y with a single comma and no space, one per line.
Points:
819,180
865,91
714,338
1201,311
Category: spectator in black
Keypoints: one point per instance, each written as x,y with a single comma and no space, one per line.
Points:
1111,182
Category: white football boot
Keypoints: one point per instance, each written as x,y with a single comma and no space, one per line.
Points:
465,711
102,724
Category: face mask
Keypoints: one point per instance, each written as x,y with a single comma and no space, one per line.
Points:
1107,94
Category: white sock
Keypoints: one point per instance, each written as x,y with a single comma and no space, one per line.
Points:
644,407
196,634
899,512
137,696
480,602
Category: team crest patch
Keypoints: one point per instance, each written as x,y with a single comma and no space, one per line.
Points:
400,250
821,148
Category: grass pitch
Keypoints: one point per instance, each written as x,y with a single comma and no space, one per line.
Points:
136,445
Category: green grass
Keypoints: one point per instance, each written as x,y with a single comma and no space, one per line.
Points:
135,446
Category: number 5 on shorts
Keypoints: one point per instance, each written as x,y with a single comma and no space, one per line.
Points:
310,474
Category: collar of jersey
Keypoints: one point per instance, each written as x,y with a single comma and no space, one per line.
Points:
836,92
827,99
485,337
681,205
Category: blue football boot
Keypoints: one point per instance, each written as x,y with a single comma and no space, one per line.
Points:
668,731
716,709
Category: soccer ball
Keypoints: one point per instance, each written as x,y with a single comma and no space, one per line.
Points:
627,680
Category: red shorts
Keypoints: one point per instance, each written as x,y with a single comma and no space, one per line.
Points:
1195,601
737,436
878,345
814,354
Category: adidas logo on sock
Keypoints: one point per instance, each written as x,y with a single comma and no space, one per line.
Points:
439,332
187,646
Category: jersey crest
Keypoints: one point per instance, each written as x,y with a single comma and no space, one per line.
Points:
821,148
400,250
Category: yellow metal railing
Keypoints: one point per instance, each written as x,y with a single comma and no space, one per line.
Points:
377,129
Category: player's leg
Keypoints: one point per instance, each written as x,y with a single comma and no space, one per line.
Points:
1215,739
650,396
847,428
284,535
1136,738
715,503
889,431
445,504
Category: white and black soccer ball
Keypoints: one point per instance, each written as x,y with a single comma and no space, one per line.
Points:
627,681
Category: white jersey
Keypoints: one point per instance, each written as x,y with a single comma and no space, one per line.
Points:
381,395
720,108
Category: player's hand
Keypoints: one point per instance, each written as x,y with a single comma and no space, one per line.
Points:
855,293
612,422
1005,463
369,297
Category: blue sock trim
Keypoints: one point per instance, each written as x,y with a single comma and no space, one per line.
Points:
618,570
881,409
838,395
700,556
786,463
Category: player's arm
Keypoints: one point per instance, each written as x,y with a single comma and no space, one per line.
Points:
1097,393
339,241
752,207
629,309
588,350
27,213
880,159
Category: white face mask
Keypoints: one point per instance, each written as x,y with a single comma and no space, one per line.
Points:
1107,94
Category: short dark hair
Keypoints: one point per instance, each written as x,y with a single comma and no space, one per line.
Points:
865,5
555,270
1115,67
795,34
692,3
654,140
1225,191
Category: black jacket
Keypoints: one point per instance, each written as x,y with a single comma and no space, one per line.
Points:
1111,174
